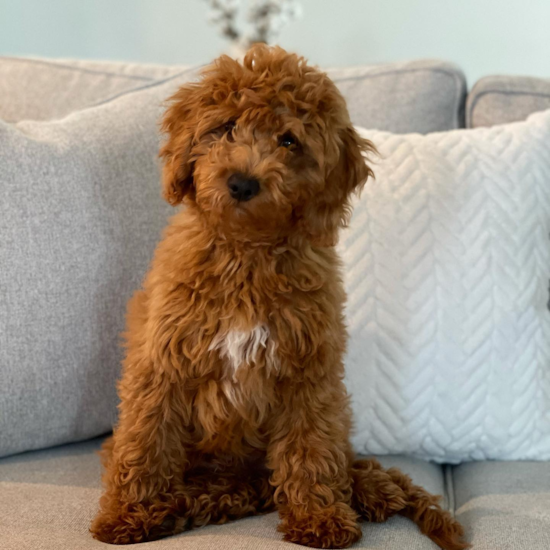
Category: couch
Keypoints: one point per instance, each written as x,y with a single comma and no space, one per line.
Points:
49,494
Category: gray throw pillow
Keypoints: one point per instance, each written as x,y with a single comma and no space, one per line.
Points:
80,215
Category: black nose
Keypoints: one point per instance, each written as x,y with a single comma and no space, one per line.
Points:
243,188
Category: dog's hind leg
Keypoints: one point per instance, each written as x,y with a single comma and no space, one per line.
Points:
215,495
379,494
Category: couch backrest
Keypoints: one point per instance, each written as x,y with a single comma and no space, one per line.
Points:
500,99
417,96
43,89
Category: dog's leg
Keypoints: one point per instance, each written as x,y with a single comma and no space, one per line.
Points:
150,450
223,492
311,462
144,464
379,494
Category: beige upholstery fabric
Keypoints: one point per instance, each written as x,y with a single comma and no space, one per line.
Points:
48,499
504,505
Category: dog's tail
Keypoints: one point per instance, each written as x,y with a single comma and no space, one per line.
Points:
379,494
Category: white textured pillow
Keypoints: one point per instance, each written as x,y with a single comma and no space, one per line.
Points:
447,271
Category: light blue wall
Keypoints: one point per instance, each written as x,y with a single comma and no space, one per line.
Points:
482,36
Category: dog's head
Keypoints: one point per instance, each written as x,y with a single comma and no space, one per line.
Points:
263,149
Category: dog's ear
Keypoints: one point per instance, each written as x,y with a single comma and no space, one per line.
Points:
179,123
330,211
352,170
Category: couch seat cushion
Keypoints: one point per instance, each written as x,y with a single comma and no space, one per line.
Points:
49,498
504,505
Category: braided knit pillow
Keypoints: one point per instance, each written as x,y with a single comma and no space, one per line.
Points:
447,267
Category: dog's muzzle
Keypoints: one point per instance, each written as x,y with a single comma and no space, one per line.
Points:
243,188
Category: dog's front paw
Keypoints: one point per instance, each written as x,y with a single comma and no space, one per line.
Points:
334,527
133,527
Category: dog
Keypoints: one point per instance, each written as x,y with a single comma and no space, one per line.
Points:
232,398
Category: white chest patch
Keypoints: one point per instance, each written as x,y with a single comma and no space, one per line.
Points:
241,347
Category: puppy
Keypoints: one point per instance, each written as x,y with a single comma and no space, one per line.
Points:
232,400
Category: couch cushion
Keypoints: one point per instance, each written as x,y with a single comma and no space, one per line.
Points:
500,99
50,497
446,264
504,506
417,96
41,89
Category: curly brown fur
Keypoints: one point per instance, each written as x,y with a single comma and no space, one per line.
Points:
379,494
232,399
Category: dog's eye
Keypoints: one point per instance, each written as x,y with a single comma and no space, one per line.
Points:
228,128
288,140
